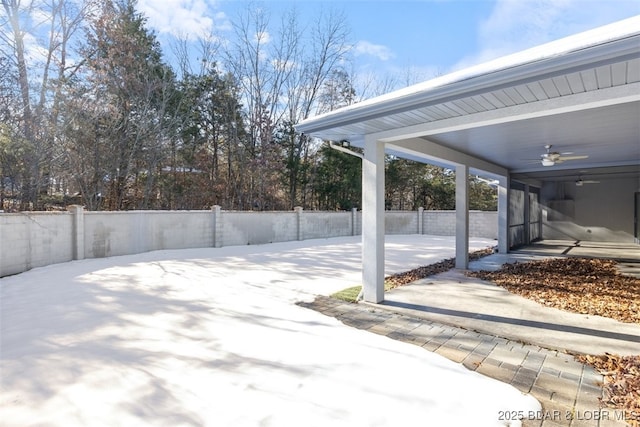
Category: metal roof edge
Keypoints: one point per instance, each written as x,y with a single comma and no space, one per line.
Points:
605,44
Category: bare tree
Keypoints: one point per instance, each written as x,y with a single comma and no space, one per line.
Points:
119,110
14,48
37,45
205,56
257,62
328,39
323,57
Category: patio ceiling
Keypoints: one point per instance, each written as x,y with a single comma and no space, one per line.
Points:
580,94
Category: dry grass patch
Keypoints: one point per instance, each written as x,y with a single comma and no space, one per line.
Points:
406,277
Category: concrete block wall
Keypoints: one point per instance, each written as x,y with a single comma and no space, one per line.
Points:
34,239
401,222
131,232
319,225
443,223
483,224
439,223
255,228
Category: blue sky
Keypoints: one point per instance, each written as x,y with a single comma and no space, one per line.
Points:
427,37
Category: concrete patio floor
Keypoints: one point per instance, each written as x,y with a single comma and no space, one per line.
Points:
622,252
453,298
568,390
508,337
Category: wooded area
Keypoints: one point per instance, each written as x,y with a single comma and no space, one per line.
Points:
91,112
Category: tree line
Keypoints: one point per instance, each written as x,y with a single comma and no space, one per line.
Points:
92,112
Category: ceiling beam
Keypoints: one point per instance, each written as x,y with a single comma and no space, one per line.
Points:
564,104
430,151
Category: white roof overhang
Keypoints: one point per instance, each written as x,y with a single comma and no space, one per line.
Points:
580,94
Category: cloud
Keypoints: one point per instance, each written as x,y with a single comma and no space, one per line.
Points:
375,81
381,52
518,23
35,52
262,38
184,18
515,25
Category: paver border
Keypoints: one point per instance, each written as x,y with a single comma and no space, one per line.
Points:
568,390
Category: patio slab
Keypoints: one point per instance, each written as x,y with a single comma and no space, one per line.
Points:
568,391
452,298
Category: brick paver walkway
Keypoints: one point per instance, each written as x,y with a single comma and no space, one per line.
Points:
567,389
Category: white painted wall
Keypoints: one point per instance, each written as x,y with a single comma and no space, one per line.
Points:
34,239
593,212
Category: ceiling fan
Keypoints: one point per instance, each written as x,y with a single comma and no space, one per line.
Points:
550,158
580,182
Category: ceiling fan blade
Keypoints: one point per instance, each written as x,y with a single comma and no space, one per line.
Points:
581,182
563,158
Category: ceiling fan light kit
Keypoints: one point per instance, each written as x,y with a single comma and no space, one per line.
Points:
550,158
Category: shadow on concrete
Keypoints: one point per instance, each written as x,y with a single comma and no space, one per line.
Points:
514,321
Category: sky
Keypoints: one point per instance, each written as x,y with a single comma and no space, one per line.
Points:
424,38
214,337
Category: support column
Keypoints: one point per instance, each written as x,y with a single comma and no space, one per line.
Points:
420,220
462,216
298,210
373,221
527,215
77,232
503,214
217,226
354,221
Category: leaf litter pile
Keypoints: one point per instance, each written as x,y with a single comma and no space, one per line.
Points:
406,277
586,286
621,382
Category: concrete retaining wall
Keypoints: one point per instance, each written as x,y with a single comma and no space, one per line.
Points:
255,228
35,239
402,222
132,232
319,225
443,223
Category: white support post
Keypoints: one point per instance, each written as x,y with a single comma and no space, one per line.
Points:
503,214
462,216
373,221
420,220
527,215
